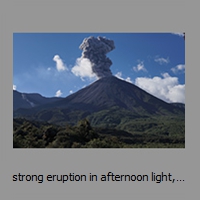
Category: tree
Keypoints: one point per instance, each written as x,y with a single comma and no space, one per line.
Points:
85,131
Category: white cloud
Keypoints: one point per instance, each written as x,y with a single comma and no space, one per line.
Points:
178,68
128,79
58,93
119,75
84,86
140,67
166,87
83,68
161,60
60,66
71,91
179,34
14,87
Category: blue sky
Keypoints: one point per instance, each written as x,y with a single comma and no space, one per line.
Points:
44,62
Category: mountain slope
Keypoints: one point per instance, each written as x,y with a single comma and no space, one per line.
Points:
24,100
107,102
112,92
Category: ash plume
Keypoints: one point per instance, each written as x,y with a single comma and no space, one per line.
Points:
95,50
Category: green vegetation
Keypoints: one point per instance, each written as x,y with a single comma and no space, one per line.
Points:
162,132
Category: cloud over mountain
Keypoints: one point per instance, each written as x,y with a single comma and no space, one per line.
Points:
166,87
58,93
83,68
127,79
14,87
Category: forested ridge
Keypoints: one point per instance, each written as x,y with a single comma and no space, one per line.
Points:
34,134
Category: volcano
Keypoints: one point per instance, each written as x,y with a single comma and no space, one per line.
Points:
111,92
108,100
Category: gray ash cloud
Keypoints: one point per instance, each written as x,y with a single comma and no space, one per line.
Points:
95,49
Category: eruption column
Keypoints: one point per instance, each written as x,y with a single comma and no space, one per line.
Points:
95,49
